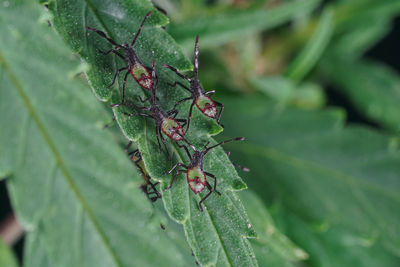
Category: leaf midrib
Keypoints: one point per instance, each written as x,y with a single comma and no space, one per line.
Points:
48,140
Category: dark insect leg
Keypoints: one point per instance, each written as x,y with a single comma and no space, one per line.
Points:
109,124
158,138
220,111
183,121
215,181
186,149
127,148
109,51
172,113
140,28
196,57
123,91
174,178
176,166
176,71
181,101
206,196
155,191
143,100
137,114
223,142
189,116
181,84
102,34
115,76
165,144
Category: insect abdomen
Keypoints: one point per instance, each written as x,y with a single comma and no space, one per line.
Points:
142,76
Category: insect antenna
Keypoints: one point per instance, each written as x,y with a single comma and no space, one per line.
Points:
196,57
245,169
140,28
223,142
102,34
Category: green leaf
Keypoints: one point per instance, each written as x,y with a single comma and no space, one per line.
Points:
313,50
218,29
323,172
373,88
285,92
334,246
272,248
217,235
35,254
360,24
7,257
68,175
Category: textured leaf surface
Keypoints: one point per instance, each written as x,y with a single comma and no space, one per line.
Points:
218,29
35,253
68,175
372,87
334,246
217,235
7,257
325,173
272,248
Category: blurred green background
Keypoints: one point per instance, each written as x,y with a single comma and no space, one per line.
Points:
314,87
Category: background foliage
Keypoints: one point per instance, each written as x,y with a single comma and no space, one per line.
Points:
323,190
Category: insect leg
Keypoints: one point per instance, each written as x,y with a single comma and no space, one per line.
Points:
189,116
215,181
115,76
109,124
123,91
220,111
181,101
177,72
140,28
158,138
174,178
206,196
176,166
165,144
102,34
186,149
181,84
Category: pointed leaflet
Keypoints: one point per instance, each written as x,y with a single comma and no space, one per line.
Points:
324,172
220,28
230,229
66,173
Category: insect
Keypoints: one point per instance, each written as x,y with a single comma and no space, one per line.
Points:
165,121
195,175
136,158
133,65
199,97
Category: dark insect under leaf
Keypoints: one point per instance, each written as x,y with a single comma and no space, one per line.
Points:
149,188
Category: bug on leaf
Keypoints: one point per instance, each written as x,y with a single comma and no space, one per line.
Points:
166,122
195,175
199,97
148,188
133,65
